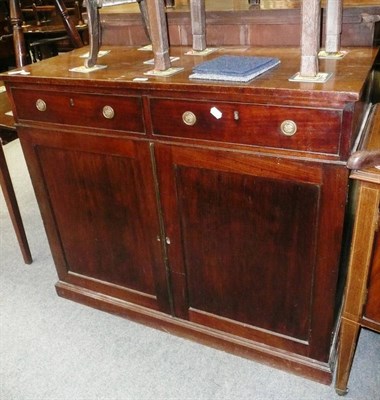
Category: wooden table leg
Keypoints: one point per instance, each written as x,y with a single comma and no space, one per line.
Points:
198,24
349,332
333,25
311,12
11,202
159,35
366,220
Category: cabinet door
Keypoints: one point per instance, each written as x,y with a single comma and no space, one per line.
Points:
254,244
98,202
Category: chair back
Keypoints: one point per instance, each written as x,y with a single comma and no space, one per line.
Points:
17,21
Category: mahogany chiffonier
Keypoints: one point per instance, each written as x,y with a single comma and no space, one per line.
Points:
226,227
361,306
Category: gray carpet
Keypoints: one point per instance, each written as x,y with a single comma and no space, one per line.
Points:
52,348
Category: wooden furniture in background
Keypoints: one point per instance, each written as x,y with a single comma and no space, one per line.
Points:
51,32
37,11
18,33
40,12
7,127
361,307
232,23
6,37
227,231
69,24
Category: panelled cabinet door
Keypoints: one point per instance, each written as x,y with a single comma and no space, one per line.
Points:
254,244
102,221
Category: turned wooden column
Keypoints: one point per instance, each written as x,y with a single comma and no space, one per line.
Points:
333,25
18,33
310,16
159,34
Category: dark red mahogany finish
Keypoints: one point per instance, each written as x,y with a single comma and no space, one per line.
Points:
227,231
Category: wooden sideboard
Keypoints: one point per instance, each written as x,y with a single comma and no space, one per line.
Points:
224,230
361,307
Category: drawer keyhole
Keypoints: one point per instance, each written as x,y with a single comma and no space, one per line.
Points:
41,105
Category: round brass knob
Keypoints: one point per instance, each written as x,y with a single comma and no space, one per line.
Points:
189,118
41,105
288,127
108,112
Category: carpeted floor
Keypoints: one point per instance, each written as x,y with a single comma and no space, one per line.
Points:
53,349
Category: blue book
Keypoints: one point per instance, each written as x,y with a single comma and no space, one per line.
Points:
233,68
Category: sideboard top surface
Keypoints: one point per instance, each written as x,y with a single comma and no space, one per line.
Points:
125,64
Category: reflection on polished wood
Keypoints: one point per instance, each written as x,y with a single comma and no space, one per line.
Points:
277,79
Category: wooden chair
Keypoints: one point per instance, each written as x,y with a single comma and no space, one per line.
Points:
44,11
6,38
37,11
18,31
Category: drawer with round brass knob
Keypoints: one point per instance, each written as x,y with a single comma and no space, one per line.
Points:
40,105
101,111
108,112
288,127
293,128
189,118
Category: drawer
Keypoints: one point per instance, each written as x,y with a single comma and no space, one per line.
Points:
293,128
80,109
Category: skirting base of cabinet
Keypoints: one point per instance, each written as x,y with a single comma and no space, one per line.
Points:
299,365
